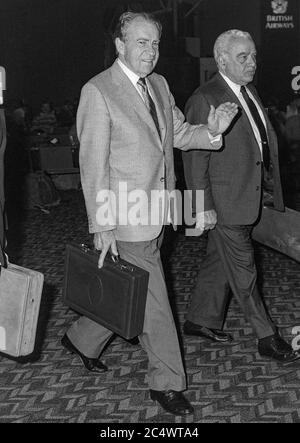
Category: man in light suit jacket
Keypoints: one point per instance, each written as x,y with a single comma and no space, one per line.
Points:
127,124
232,180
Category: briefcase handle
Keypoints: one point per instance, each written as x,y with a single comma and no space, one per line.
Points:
115,258
86,248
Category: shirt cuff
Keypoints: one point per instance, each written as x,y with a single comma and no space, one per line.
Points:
213,139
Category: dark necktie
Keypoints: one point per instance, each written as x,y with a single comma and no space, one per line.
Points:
260,126
149,102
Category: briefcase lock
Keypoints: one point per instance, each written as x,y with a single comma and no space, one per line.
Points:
125,267
115,258
85,247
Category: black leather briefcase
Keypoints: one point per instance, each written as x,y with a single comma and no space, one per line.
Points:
114,296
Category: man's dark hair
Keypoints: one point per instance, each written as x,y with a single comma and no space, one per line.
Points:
125,20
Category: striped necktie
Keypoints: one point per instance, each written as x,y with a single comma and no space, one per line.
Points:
260,126
149,102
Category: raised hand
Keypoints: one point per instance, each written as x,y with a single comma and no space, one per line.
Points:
219,119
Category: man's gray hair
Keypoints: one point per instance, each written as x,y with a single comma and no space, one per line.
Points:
223,41
127,18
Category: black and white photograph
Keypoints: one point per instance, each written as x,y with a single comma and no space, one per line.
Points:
149,214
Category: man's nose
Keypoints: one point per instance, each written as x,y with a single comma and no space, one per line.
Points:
152,50
252,61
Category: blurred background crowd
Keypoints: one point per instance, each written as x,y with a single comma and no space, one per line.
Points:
54,125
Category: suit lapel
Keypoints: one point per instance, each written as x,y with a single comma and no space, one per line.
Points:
128,93
229,95
224,91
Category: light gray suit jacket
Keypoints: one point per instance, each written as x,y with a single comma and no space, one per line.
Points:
119,143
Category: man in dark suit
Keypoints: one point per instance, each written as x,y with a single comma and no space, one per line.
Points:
232,180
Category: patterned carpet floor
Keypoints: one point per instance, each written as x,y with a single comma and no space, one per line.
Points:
227,383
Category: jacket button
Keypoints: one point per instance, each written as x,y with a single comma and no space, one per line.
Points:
162,179
257,188
258,163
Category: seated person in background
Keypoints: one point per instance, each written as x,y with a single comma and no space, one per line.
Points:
276,115
19,116
292,136
45,121
65,115
292,124
73,135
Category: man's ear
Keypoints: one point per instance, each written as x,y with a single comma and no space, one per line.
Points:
222,61
119,46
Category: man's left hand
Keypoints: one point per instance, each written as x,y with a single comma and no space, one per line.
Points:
219,119
207,220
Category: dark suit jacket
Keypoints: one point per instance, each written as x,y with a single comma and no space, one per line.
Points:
2,150
231,178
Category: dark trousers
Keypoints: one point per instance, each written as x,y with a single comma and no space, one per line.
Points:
229,264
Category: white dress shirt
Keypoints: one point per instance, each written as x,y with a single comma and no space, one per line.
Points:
133,77
237,91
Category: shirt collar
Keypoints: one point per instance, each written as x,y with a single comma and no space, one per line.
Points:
133,77
234,86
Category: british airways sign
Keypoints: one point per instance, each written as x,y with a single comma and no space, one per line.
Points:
280,42
279,6
279,16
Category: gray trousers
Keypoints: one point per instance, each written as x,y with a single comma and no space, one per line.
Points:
229,264
159,338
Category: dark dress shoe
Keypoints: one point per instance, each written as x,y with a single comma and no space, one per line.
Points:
91,364
172,401
276,348
216,335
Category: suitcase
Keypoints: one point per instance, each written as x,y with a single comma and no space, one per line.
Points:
20,297
280,231
114,296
